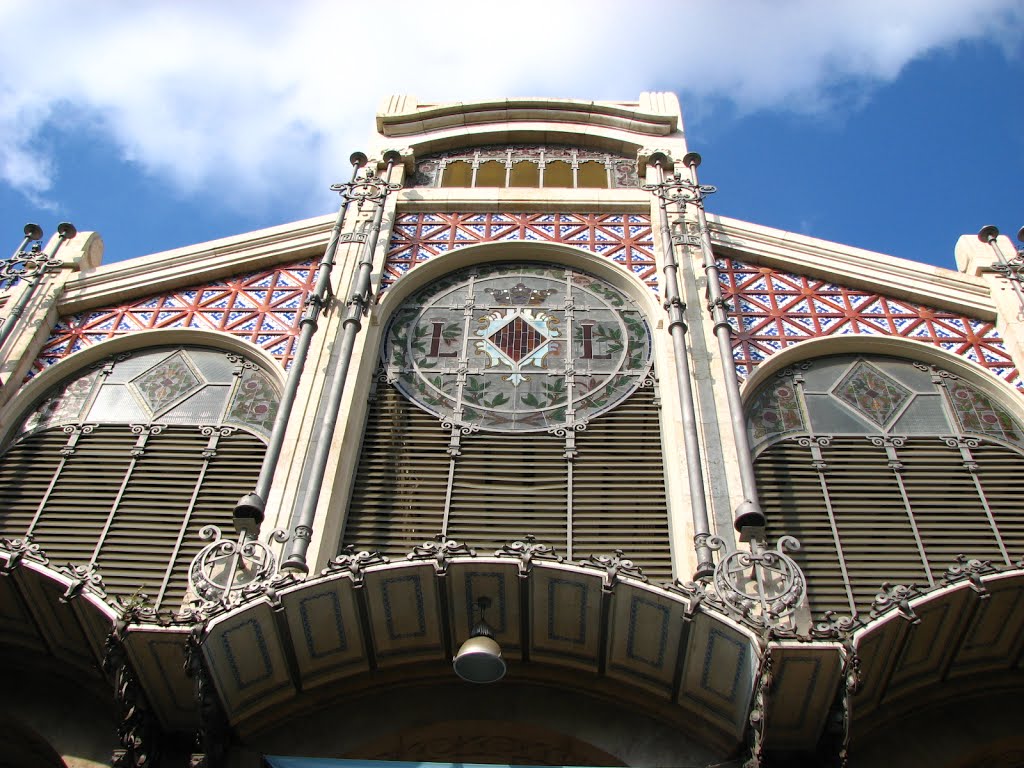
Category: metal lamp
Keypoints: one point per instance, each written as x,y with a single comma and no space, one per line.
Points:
479,659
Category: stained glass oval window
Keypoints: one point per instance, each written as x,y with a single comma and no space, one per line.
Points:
518,347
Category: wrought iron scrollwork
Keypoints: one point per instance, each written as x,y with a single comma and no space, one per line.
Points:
21,549
83,577
528,550
368,188
352,562
440,549
970,569
227,572
762,587
680,191
137,728
26,265
896,596
211,736
614,566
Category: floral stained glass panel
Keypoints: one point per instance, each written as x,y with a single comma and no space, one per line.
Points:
872,393
775,411
977,413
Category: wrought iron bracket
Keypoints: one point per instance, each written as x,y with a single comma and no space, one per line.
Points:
353,563
137,727
440,549
212,734
527,551
614,566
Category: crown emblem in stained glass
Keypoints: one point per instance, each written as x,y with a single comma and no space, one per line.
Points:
518,347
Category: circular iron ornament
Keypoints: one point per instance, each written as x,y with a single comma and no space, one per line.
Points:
518,347
762,583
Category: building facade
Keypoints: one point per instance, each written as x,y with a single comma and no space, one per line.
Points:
722,494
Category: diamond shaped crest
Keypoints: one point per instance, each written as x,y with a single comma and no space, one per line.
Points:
872,393
517,339
166,382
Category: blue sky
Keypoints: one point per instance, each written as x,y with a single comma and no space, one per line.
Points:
892,126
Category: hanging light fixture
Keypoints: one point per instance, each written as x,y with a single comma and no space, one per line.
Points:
479,659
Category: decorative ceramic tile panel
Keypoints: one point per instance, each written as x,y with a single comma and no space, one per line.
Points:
264,308
625,239
771,310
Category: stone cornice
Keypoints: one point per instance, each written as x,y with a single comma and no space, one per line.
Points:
197,263
624,116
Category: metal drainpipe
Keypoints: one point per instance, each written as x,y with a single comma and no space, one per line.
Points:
748,514
43,264
302,528
250,509
677,329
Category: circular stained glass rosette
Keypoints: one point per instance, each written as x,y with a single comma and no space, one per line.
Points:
518,348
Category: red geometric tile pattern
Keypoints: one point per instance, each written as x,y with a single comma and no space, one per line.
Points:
264,308
626,239
771,310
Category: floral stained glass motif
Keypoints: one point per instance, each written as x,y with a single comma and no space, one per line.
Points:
977,413
775,411
254,403
518,347
872,393
166,383
64,406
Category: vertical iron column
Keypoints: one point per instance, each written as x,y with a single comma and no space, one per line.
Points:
748,514
374,191
250,509
677,329
32,266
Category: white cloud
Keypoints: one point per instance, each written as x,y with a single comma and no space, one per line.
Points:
265,100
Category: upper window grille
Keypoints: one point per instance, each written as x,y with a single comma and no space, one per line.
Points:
536,166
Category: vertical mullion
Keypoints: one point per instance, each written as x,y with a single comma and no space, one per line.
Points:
819,465
137,451
890,444
971,466
73,433
209,452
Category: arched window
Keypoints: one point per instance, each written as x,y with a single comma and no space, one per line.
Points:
490,174
592,175
886,470
121,465
517,399
558,173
